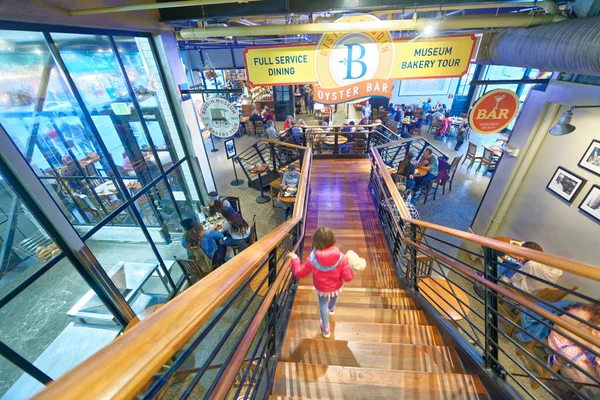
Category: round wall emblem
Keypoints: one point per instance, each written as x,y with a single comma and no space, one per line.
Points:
494,111
350,66
220,117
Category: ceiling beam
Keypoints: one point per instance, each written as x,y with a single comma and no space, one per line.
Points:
154,6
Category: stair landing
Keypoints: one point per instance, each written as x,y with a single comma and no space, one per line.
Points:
381,346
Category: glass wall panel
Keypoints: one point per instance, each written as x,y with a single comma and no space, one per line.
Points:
45,325
128,259
42,117
93,66
142,71
25,244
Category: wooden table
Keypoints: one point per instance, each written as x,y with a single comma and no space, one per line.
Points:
496,150
288,199
330,140
259,170
443,296
420,172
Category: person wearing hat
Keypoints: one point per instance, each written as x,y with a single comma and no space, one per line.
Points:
290,179
216,204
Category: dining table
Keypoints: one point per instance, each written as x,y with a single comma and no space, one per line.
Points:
286,196
495,149
419,172
330,139
260,169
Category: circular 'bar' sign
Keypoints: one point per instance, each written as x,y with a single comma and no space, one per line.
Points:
494,111
220,117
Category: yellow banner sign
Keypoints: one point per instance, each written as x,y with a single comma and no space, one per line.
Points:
351,63
446,57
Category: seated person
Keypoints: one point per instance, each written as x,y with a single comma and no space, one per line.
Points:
446,124
216,204
430,163
574,353
290,178
527,284
288,122
235,228
255,119
406,171
271,131
195,239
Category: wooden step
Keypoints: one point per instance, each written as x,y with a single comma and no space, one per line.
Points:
391,303
362,282
354,314
358,292
310,381
371,355
367,332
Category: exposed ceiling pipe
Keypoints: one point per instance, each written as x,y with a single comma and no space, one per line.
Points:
569,46
462,22
549,7
154,6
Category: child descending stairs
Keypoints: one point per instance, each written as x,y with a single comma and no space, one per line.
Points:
381,346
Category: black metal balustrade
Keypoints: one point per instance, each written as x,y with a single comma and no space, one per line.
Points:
503,328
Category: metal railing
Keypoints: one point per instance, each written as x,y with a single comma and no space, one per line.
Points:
511,332
218,339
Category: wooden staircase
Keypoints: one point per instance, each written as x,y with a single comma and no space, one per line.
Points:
381,346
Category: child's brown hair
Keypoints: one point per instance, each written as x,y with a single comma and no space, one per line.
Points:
323,238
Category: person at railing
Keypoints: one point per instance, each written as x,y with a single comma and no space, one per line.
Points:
271,131
526,283
364,121
195,239
330,270
288,122
429,162
216,204
235,228
576,354
290,179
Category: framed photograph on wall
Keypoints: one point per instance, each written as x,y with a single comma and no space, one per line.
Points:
591,158
230,148
591,203
565,184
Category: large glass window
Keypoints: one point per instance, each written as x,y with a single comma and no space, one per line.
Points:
91,116
37,318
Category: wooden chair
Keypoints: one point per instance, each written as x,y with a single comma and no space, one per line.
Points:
360,147
487,160
549,295
451,173
429,189
253,235
235,204
193,269
424,266
471,155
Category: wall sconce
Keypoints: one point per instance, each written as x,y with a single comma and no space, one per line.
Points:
563,126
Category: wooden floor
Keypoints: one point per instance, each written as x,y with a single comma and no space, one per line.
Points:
380,346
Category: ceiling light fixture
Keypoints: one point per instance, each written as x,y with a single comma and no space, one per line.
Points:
564,126
428,30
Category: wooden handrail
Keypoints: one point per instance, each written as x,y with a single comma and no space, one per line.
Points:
277,142
123,368
403,141
571,328
575,267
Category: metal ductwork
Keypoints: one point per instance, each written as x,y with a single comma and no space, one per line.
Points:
571,46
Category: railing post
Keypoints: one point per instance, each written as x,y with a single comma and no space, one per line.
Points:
413,258
490,354
369,140
274,309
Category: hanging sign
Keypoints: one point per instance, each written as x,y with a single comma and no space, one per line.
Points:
220,117
350,66
494,111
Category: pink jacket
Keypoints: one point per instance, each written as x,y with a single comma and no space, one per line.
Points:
329,267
